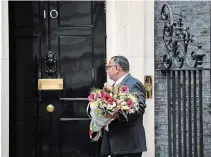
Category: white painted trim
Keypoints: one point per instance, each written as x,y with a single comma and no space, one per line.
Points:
130,32
149,121
110,30
4,79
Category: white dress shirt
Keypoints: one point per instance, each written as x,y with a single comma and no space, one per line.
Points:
120,79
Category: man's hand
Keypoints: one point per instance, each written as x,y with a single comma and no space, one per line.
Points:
114,116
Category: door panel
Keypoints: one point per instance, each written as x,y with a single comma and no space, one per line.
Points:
26,77
24,47
24,132
74,13
76,37
76,60
33,14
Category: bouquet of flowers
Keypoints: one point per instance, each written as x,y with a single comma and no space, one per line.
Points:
108,101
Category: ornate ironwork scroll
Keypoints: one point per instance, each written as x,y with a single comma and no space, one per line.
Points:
177,40
50,62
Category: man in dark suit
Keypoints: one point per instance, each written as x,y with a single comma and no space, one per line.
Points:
125,138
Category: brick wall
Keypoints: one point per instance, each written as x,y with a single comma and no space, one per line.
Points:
196,15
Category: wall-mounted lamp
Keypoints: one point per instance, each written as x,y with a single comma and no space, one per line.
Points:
148,86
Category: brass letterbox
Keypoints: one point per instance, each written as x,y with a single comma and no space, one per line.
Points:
50,84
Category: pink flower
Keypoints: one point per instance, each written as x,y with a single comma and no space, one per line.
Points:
97,96
102,93
130,103
91,97
107,98
124,89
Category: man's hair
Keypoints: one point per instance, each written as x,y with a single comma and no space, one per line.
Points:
122,62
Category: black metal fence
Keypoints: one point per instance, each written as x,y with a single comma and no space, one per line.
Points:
185,111
186,78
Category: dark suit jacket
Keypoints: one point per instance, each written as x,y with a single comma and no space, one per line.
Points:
127,136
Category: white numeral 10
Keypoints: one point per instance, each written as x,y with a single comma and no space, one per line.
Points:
51,14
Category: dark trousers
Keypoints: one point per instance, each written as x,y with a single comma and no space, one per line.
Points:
125,155
128,155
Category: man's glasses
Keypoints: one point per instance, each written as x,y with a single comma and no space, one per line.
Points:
109,66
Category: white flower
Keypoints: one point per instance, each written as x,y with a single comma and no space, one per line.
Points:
122,94
115,96
122,97
124,103
114,104
109,107
107,84
104,105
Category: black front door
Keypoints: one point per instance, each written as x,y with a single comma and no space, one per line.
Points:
53,40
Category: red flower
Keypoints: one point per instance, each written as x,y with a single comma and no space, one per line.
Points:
107,98
124,89
130,103
102,94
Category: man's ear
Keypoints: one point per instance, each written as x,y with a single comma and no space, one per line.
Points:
117,69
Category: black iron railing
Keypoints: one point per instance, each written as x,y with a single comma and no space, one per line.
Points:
185,111
185,76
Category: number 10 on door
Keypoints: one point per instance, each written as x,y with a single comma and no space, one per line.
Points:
53,14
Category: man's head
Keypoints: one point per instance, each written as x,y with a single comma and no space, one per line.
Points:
117,67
